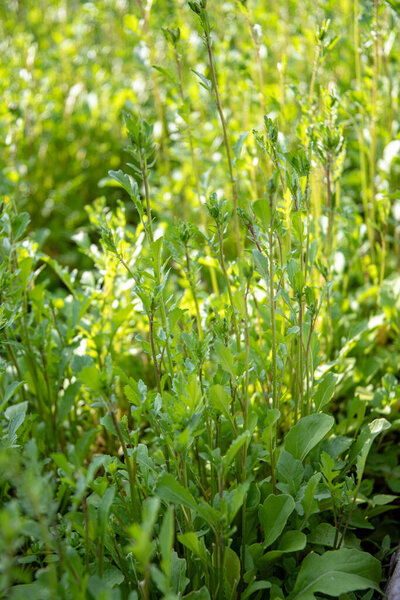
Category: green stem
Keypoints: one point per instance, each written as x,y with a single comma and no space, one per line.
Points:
213,275
372,156
300,407
153,352
143,167
228,285
360,134
245,425
233,180
275,400
128,463
194,294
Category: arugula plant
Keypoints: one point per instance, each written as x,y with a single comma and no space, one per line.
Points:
207,408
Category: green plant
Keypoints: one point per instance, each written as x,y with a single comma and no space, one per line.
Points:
207,407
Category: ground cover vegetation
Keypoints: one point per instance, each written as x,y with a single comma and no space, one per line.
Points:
200,299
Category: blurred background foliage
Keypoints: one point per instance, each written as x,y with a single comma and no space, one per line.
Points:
69,68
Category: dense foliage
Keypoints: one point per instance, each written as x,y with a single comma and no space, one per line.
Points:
199,361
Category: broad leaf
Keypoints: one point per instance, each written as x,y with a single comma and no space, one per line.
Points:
307,433
225,358
273,515
336,572
291,541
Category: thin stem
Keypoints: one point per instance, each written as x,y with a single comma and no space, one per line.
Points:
314,74
349,515
259,64
372,156
228,285
213,276
329,202
275,399
233,180
360,133
301,369
129,468
194,293
159,105
157,367
143,167
245,424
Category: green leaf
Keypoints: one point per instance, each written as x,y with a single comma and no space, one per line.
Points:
112,576
291,541
290,473
240,304
361,448
325,390
225,358
172,491
336,572
126,181
237,148
293,267
262,265
231,571
309,502
220,399
324,534
166,540
9,392
273,515
67,401
202,594
190,541
104,510
205,83
272,417
19,224
60,272
262,210
234,500
143,546
298,225
307,433
234,448
256,586
179,581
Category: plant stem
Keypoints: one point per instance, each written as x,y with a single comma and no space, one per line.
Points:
245,425
275,399
259,63
129,468
301,368
153,352
228,285
145,14
233,180
213,276
194,294
360,133
143,167
349,515
372,156
314,73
